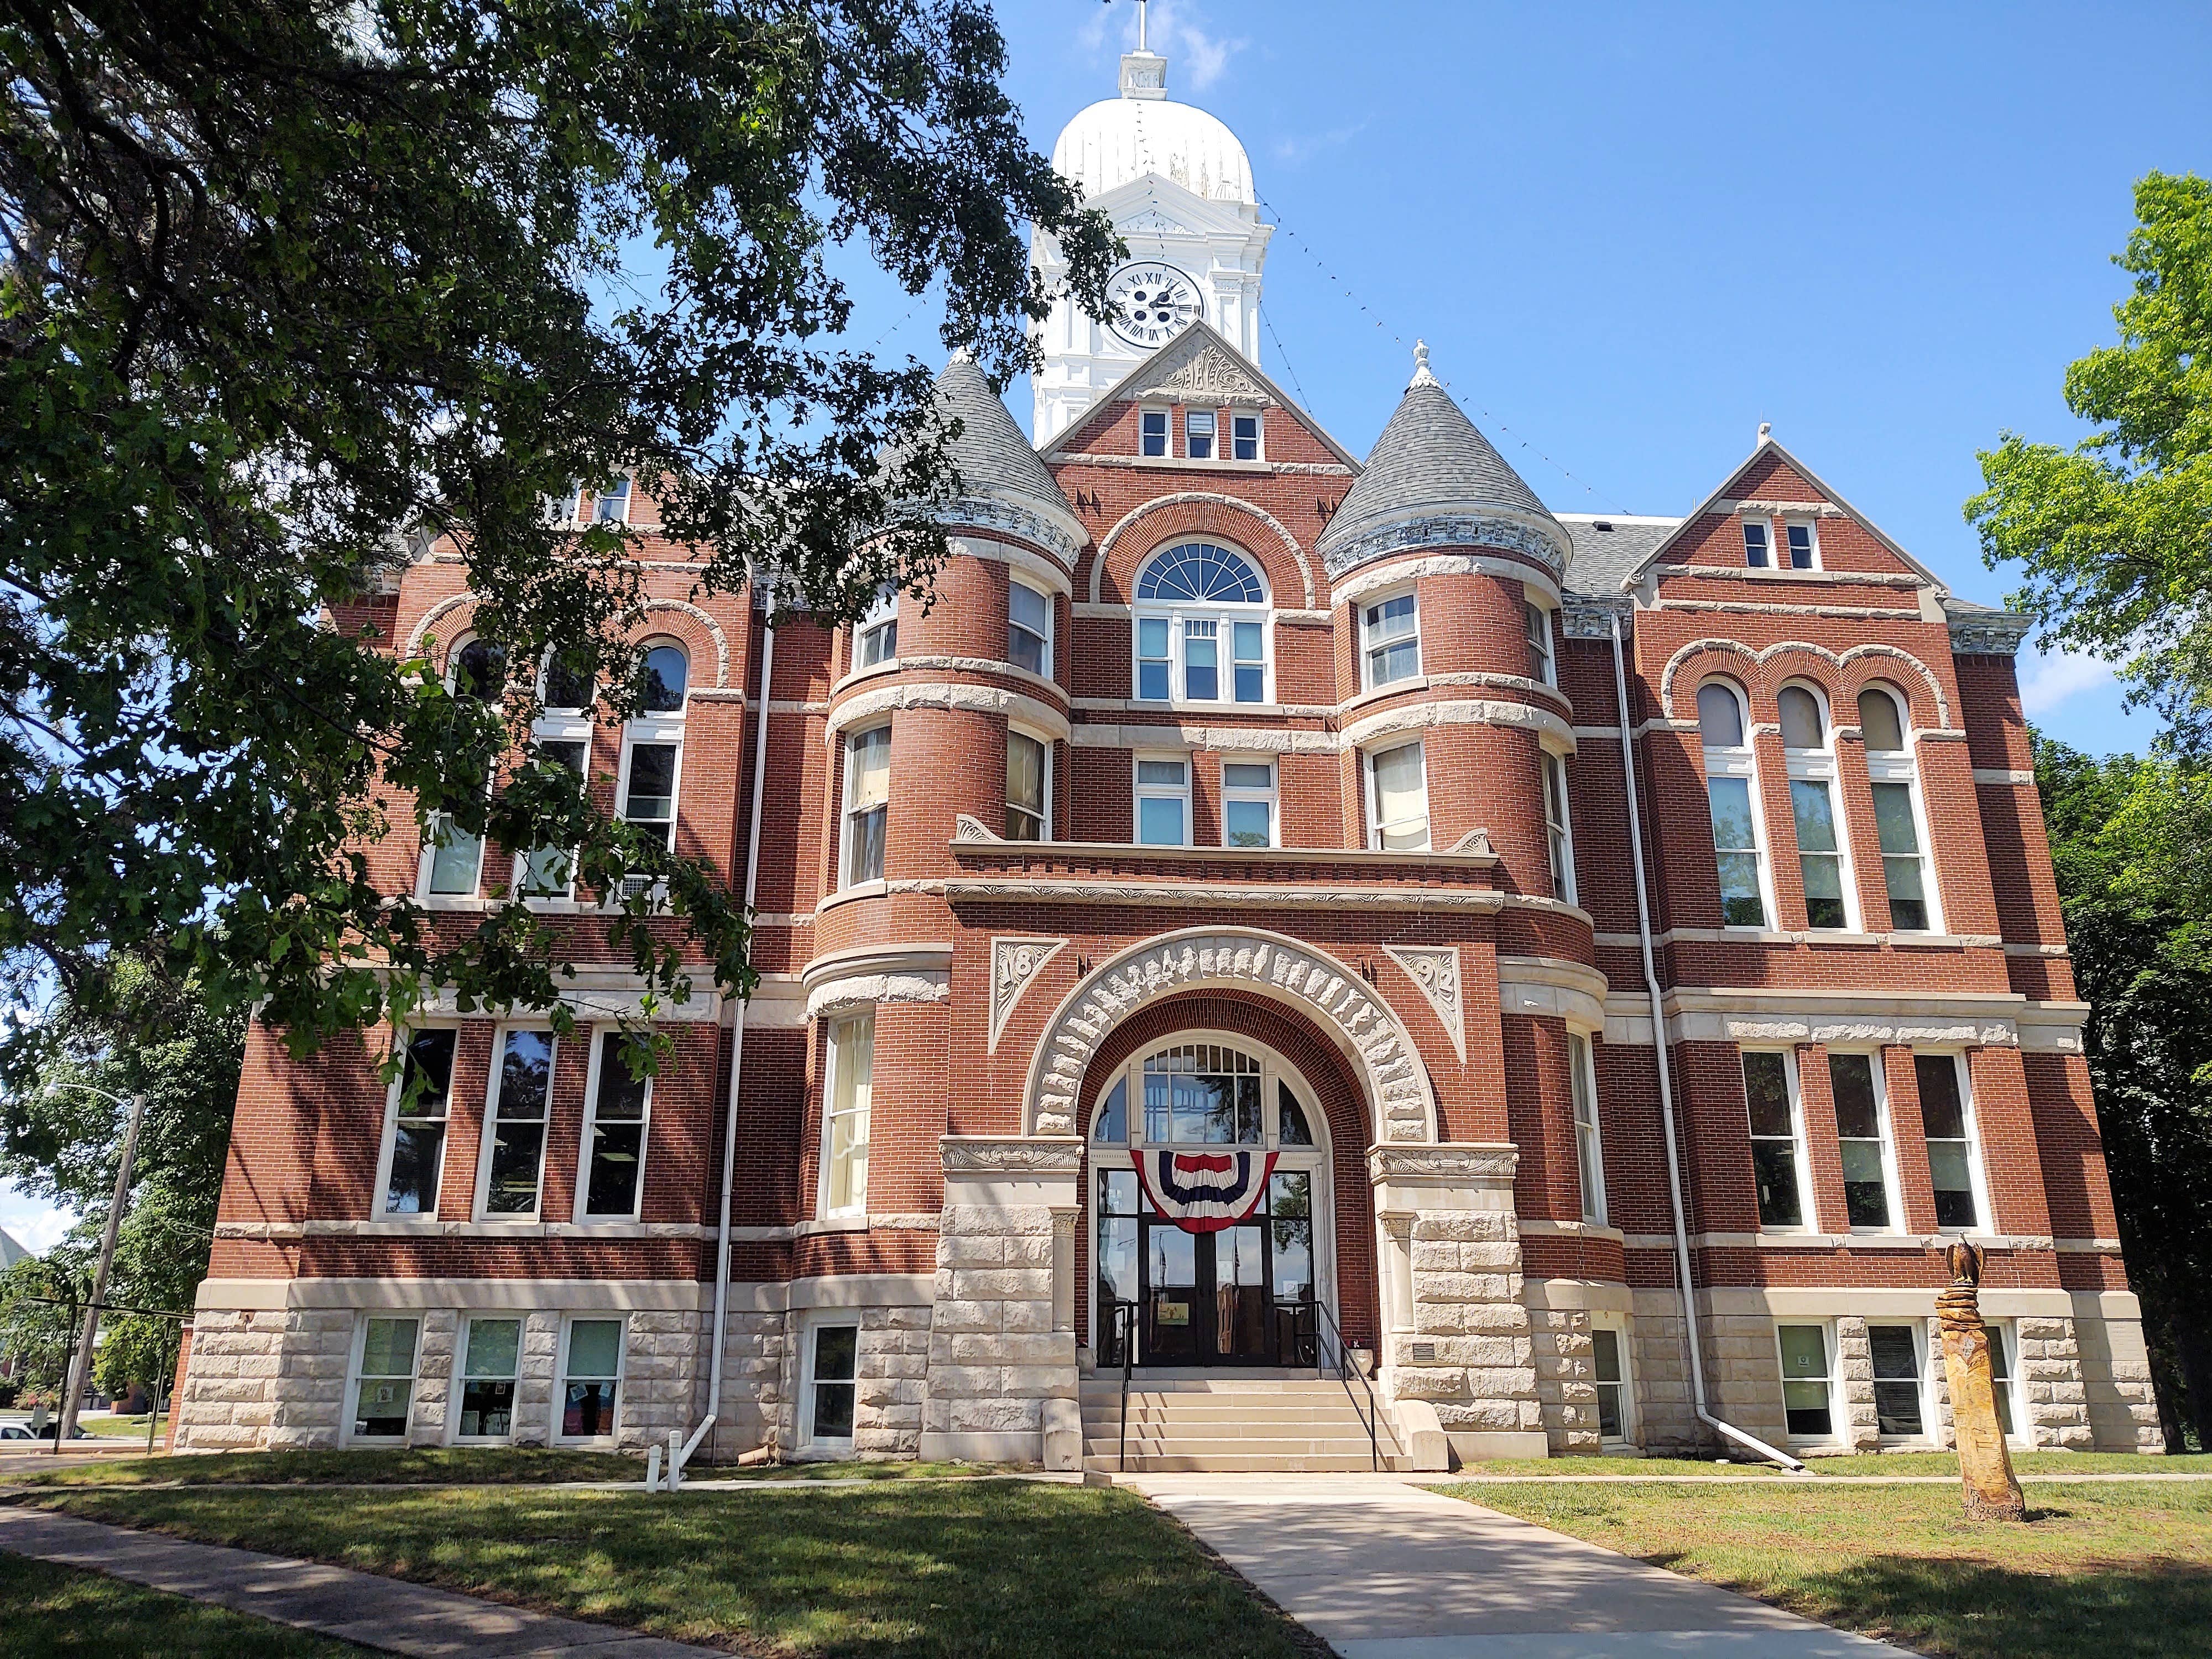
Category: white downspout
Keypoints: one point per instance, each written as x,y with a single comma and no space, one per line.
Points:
1666,1079
737,1070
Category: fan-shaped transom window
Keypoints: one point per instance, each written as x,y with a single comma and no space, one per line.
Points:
1198,573
1201,1094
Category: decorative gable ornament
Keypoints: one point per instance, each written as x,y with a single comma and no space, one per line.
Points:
1204,1191
1205,369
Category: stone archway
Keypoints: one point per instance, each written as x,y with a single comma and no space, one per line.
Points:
1401,1105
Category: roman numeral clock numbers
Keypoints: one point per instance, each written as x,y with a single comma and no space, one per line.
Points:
1151,304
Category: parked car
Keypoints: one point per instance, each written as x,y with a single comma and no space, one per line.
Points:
23,1432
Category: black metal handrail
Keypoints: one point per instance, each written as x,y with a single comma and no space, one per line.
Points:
1125,1326
1345,1371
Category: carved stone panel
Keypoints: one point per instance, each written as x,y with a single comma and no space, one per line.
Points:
1015,964
1434,972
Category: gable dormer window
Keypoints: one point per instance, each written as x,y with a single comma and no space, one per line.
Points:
1152,432
1756,538
1244,437
1198,433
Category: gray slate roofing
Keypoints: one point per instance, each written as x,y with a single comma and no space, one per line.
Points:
994,458
11,1251
1429,455
1602,558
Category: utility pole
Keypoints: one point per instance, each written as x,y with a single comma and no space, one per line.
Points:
80,1365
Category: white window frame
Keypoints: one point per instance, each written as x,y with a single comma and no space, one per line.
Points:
848,811
1191,435
1015,730
1144,792
1904,768
621,1379
1014,625
486,1139
808,1438
880,625
462,1338
1247,793
1543,656
1166,416
1808,1211
557,726
1618,1326
650,730
432,827
1741,761
1838,1414
354,1377
1558,824
1376,826
617,498
388,1148
1812,529
1369,647
1765,549
1259,435
837,1061
2022,1433
1977,1172
1224,615
593,1075
1885,1141
1819,766
1589,1131
1925,1355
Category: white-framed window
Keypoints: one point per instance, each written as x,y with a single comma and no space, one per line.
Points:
1163,800
1244,436
1398,799
1558,829
1248,803
650,780
515,1107
833,1357
1199,426
2004,1376
1808,1380
1201,627
591,1378
1800,538
413,1155
1541,667
1947,1120
611,505
453,858
1731,779
564,509
1589,1143
567,693
1901,1388
617,1120
1810,757
1757,543
1029,628
1862,1129
1152,432
867,804
1777,1137
1901,824
847,1099
1616,1400
492,1360
876,639
1390,640
1029,786
383,1394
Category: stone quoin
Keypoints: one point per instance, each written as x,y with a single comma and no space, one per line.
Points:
1237,795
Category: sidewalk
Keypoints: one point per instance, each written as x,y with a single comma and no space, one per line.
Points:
356,1607
1382,1570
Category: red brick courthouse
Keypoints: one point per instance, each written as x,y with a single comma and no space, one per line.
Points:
1248,820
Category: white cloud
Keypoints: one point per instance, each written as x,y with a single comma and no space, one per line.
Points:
33,1223
2054,678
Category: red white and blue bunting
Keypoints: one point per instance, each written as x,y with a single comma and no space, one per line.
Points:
1204,1191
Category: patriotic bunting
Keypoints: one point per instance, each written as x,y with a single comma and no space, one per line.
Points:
1204,1191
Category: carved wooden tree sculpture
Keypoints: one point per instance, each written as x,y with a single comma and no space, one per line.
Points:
1991,1493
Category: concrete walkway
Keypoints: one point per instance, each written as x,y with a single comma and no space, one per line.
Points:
355,1606
1382,1570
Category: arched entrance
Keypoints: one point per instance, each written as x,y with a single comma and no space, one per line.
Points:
1218,1290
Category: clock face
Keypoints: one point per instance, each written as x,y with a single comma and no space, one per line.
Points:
1150,304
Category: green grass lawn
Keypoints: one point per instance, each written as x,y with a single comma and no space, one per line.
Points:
2103,1572
416,1466
122,1428
983,1569
2049,1462
61,1612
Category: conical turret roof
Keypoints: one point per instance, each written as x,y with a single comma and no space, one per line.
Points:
1431,465
1003,484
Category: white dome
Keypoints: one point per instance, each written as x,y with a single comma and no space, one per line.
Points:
1118,140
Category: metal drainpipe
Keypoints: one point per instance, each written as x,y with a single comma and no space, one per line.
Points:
1666,1080
736,1068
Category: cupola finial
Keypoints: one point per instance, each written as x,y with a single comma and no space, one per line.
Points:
1765,432
1421,374
1144,71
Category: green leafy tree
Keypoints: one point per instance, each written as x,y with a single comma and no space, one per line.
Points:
2115,534
289,291
2135,923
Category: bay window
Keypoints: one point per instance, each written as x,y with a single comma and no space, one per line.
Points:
867,804
1398,800
1029,786
846,1109
1559,835
1589,1149
1541,664
1392,641
1029,629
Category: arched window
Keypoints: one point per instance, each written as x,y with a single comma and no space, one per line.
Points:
667,675
479,671
1730,772
1821,859
653,741
1894,776
1201,627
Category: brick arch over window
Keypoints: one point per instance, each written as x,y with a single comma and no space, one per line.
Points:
1400,1105
1197,514
1764,671
700,634
1334,1083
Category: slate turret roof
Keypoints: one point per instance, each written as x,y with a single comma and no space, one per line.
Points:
994,457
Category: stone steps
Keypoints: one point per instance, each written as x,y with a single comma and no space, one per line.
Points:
1194,1422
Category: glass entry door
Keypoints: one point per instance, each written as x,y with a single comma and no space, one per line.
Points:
1239,1296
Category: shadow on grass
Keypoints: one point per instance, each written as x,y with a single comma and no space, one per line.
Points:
50,1612
416,1466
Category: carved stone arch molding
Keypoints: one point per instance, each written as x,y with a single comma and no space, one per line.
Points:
1757,659
643,614
1401,1105
1113,538
436,614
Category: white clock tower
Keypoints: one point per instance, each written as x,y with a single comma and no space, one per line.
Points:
1178,187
